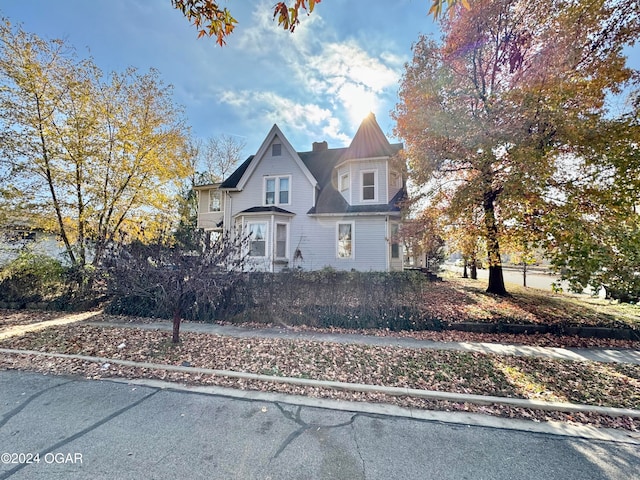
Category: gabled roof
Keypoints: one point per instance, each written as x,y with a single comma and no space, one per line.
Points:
321,163
369,142
234,178
253,163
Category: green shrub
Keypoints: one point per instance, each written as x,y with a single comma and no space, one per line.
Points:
31,278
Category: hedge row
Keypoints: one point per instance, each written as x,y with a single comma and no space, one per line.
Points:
326,298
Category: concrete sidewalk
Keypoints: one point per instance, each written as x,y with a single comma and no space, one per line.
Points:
602,355
609,355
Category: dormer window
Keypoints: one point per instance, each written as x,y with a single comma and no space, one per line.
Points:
276,150
344,182
369,186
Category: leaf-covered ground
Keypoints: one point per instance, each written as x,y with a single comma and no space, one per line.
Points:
454,301
541,379
460,300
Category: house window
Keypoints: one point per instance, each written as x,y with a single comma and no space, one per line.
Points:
283,190
344,182
214,201
258,239
281,240
345,240
277,190
369,186
270,191
276,150
396,180
395,243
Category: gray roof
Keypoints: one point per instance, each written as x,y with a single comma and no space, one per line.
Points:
369,142
234,178
269,209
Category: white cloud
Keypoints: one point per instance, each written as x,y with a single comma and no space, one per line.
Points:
339,81
353,80
263,33
348,62
294,116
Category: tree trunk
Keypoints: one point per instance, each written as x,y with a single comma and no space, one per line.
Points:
474,269
496,280
52,190
524,274
464,270
176,326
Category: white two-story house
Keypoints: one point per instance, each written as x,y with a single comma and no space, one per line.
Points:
326,207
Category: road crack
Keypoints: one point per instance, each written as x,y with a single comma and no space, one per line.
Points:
304,426
9,415
355,440
90,428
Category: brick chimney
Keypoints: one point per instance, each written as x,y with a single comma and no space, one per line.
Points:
320,146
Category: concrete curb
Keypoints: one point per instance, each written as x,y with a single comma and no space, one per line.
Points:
353,387
384,409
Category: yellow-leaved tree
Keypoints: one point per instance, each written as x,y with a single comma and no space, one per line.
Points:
89,157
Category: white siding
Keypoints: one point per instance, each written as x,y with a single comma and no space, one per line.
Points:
380,166
301,193
314,236
318,243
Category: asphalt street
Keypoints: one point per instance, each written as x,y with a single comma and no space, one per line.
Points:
54,427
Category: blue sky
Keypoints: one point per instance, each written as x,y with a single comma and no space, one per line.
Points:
343,61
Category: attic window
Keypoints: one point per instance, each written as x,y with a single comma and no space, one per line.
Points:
276,150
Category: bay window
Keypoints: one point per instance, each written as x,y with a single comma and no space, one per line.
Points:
257,239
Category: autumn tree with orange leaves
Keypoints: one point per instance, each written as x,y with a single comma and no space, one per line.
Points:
514,86
212,20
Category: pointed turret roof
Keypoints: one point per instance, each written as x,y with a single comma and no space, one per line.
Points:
321,163
369,142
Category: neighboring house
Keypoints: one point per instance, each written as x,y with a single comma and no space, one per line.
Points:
17,238
328,207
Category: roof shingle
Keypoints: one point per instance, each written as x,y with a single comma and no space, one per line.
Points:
369,142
